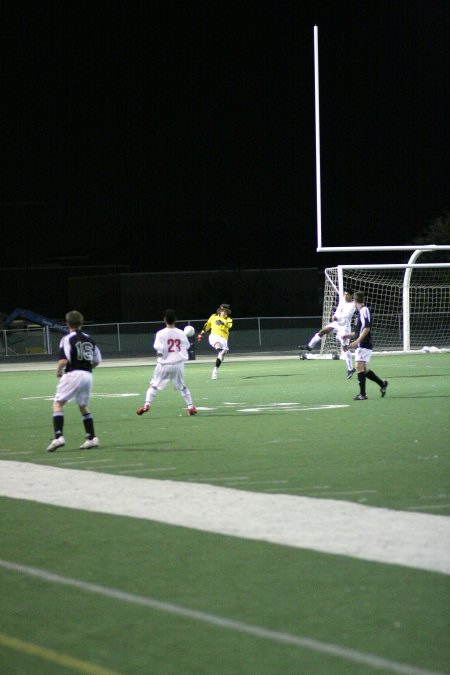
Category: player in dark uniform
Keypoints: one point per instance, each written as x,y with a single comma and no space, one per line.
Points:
78,355
363,347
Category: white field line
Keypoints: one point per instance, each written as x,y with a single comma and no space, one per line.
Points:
415,540
298,641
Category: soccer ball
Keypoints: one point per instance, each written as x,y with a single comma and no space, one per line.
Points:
189,331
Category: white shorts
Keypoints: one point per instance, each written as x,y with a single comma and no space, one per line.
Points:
75,385
172,372
362,354
339,330
218,339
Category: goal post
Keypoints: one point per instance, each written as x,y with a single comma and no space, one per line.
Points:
409,303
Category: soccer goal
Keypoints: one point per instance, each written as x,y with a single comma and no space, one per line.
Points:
409,303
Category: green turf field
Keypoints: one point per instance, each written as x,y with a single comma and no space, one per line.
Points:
227,604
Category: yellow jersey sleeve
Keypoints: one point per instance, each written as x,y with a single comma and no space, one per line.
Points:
218,325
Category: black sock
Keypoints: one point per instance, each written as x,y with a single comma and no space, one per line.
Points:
218,363
58,424
371,375
89,426
362,383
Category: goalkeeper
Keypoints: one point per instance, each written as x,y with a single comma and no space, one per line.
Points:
219,325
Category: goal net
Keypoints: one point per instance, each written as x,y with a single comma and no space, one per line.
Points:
409,304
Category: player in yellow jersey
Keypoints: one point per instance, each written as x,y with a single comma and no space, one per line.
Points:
219,325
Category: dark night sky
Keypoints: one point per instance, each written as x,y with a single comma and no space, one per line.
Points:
169,135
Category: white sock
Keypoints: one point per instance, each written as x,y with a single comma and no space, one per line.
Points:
186,394
348,358
314,340
151,393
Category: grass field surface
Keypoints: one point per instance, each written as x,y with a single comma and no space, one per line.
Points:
88,590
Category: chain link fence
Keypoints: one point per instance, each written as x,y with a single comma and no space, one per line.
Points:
254,334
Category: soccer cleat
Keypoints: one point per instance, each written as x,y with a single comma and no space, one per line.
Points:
192,410
360,397
383,388
305,348
350,373
143,409
90,443
56,443
214,373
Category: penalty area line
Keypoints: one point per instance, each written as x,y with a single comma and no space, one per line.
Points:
298,641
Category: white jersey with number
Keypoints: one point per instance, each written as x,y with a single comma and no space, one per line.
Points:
172,346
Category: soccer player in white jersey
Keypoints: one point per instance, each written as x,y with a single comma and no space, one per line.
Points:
340,325
363,350
171,345
78,355
219,325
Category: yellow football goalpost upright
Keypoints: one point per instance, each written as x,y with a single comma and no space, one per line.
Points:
410,302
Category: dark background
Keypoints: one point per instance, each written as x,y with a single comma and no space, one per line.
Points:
168,136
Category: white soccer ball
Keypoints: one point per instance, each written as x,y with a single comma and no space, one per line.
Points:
189,331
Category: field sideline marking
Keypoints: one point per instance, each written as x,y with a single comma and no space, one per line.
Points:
299,641
54,656
417,540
